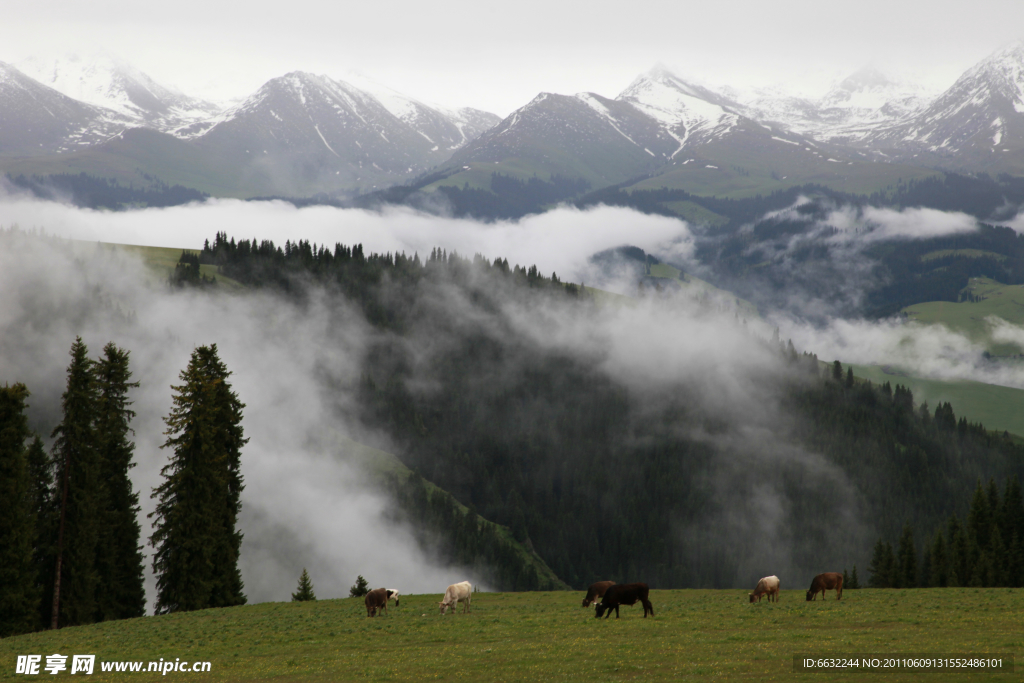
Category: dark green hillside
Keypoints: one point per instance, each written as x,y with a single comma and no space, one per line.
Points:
604,481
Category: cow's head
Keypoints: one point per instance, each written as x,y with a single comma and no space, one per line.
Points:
751,597
599,610
443,606
586,602
810,595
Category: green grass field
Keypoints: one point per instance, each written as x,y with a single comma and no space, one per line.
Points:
968,318
695,635
159,261
998,408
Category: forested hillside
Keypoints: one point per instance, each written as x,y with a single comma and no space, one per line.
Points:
477,377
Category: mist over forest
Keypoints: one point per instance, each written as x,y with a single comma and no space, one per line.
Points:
670,435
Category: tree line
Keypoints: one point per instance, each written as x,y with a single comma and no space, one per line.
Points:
70,551
984,549
94,192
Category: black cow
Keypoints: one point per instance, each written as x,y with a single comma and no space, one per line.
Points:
624,594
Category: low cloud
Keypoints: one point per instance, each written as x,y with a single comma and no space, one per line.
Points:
557,241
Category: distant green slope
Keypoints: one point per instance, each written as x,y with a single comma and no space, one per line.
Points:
998,408
969,318
737,172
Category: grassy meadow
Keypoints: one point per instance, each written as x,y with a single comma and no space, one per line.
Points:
968,318
998,408
695,635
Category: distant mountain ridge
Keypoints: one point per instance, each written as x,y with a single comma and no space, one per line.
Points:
298,134
303,134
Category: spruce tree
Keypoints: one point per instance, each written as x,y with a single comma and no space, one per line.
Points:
76,458
881,567
18,590
906,574
44,545
196,559
121,593
359,588
305,588
938,575
230,437
854,581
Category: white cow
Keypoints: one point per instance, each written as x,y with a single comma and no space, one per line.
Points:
456,593
769,586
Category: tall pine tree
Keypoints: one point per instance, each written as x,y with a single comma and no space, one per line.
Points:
196,542
230,437
121,593
44,506
78,492
18,590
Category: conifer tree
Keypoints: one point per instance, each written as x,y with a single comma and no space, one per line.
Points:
938,575
359,588
196,542
76,459
906,574
18,591
959,554
305,588
121,594
230,438
881,566
854,581
44,544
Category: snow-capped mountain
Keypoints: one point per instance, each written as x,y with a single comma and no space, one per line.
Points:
690,113
36,119
980,115
661,126
602,140
448,128
851,111
111,83
304,130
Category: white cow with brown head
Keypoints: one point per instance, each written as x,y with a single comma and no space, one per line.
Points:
456,593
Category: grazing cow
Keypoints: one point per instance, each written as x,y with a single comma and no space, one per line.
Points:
769,586
824,582
624,594
393,595
456,593
596,591
376,601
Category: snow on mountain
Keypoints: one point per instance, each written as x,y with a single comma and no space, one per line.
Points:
585,135
983,111
685,110
852,110
303,129
105,81
448,128
36,119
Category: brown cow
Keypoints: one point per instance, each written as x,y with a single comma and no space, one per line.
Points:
376,601
769,586
624,594
596,591
823,582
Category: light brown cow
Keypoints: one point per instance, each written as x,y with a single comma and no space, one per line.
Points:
596,590
823,582
769,586
456,593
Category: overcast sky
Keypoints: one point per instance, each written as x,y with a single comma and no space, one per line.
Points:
497,56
